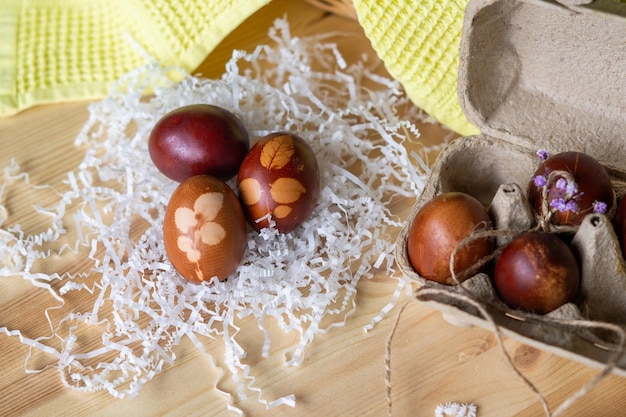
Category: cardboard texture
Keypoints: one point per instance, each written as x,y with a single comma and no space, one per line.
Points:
538,74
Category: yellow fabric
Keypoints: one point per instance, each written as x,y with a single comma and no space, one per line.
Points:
73,49
54,50
419,40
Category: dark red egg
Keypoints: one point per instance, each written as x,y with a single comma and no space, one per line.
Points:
592,185
438,228
279,178
537,272
199,139
204,229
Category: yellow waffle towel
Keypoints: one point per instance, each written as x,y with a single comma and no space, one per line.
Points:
68,49
419,40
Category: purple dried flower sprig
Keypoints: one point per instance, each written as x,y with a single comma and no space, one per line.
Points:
599,207
568,186
540,181
542,154
564,205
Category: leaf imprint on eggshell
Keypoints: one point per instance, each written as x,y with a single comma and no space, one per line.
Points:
212,233
199,220
185,219
207,205
280,212
286,190
185,244
277,152
250,191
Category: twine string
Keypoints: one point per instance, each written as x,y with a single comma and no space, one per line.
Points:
466,296
388,358
469,298
545,215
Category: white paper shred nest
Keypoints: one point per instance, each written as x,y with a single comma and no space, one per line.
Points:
115,200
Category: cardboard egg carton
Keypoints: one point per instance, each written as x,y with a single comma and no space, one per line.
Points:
538,74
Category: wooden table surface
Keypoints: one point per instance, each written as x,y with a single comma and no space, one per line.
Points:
433,362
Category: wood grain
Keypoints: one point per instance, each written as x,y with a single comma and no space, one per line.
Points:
433,362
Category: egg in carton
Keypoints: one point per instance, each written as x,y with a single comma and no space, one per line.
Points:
538,74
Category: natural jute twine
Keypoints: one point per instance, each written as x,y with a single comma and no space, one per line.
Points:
543,223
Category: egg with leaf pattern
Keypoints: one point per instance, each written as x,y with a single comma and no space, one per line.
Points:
279,180
204,229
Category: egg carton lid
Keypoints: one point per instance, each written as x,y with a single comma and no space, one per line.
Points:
537,74
547,74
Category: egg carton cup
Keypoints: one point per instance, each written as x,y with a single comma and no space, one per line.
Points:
538,74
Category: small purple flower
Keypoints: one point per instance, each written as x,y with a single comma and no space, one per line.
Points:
563,206
558,204
599,207
542,154
540,181
572,188
571,206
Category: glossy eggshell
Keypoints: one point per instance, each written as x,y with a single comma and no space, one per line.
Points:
204,229
438,228
279,177
199,139
537,272
591,178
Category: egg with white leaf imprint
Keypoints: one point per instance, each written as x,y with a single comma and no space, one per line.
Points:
279,179
204,229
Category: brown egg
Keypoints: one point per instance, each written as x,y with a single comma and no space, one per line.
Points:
204,229
591,184
279,177
537,272
437,229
